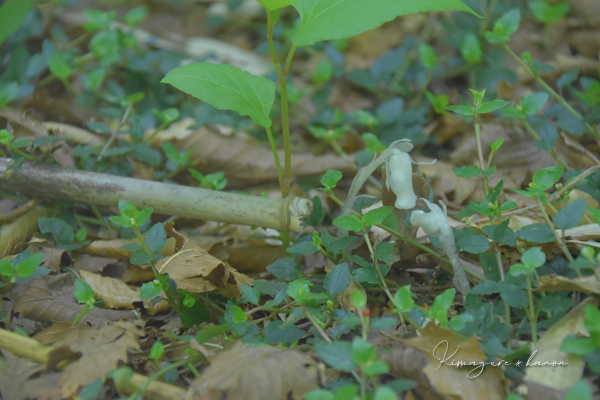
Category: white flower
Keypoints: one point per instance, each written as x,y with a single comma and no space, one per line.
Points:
435,223
399,179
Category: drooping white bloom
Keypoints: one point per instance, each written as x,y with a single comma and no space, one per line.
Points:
435,223
399,179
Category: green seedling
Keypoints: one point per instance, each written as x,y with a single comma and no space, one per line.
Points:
22,266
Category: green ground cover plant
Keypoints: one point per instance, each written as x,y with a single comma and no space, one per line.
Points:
387,268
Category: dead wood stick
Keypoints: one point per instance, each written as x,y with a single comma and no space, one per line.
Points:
183,201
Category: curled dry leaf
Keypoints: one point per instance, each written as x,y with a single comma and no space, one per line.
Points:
50,299
195,270
556,283
75,134
114,293
251,162
548,350
439,380
19,230
256,373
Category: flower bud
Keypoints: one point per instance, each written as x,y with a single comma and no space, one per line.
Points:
399,179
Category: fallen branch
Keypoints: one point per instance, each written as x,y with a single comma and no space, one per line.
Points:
184,201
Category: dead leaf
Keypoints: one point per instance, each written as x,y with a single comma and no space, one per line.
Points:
75,134
54,302
92,264
99,354
19,230
257,373
115,293
14,377
195,270
548,350
251,162
438,379
113,248
556,283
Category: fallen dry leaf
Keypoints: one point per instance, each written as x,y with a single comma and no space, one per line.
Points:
556,283
113,248
99,354
19,230
256,373
15,375
438,379
115,293
548,350
49,299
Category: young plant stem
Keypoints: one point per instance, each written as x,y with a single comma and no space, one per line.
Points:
114,134
486,190
285,118
171,297
275,156
382,280
591,130
532,315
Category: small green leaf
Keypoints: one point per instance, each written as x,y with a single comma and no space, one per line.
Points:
427,55
471,49
121,221
6,268
91,391
337,280
156,238
546,178
59,66
534,257
548,13
486,288
376,216
467,111
513,295
510,21
474,244
496,145
29,264
156,351
384,251
136,15
384,393
143,216
239,315
12,15
276,333
348,222
250,295
63,232
459,322
581,390
567,78
83,292
286,269
521,269
337,354
126,209
331,178
571,215
491,106
403,300
140,257
305,247
226,87
377,368
357,299
363,352
533,103
536,233
467,172
150,290
441,305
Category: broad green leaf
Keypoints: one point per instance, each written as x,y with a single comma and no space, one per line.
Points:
378,368
384,393
250,295
28,265
377,215
403,300
363,352
486,288
286,269
63,232
427,55
467,111
150,290
536,233
513,296
441,305
303,248
341,19
510,21
337,280
491,106
226,87
126,209
331,178
6,268
581,390
143,216
546,178
570,216
273,5
534,257
59,66
337,354
83,292
12,15
471,49
274,333
474,244
533,103
521,269
348,222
